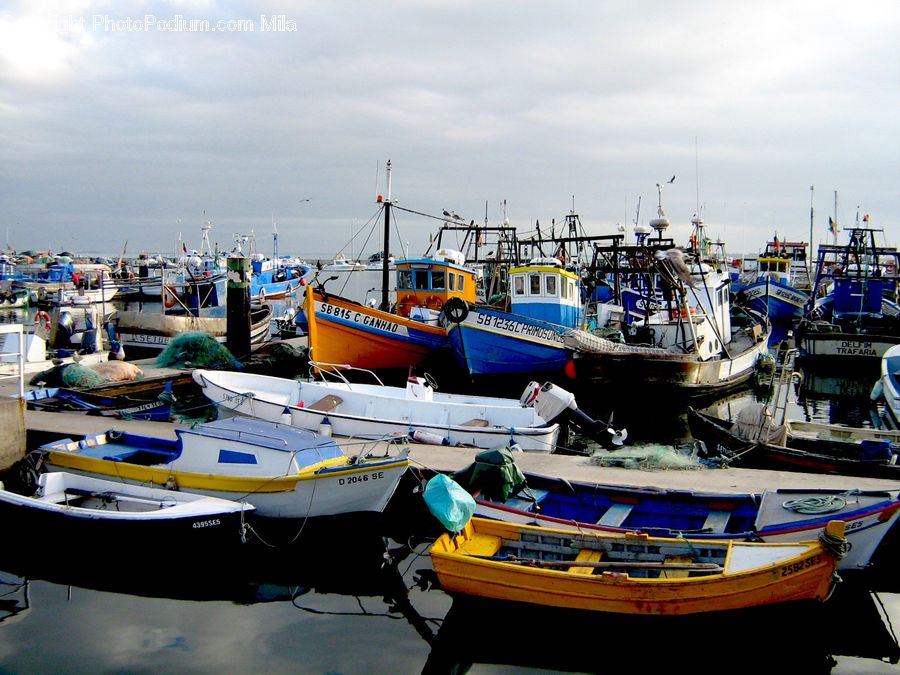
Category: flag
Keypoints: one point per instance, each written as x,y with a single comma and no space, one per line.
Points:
832,225
866,218
184,247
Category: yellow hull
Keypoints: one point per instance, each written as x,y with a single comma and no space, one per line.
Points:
807,575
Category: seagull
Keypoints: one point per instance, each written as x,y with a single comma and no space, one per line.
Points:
672,179
446,213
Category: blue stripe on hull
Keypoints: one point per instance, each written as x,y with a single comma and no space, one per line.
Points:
490,353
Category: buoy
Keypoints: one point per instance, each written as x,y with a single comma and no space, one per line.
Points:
168,297
877,391
428,437
325,428
42,319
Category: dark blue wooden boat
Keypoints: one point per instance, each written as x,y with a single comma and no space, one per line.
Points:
782,515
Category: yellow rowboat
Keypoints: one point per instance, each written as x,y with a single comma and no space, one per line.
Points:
632,574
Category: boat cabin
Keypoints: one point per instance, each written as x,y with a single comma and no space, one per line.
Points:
545,290
430,282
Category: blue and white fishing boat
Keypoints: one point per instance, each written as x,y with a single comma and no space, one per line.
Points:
781,282
544,302
852,311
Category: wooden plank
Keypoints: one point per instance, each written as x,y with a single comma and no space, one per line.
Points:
615,515
475,423
678,567
326,403
585,555
716,521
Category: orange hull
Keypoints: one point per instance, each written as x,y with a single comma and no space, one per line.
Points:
363,337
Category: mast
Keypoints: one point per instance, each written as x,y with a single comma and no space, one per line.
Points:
809,257
385,272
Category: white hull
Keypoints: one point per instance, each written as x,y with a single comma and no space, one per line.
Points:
378,412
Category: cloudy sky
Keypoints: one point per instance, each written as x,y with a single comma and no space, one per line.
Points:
136,121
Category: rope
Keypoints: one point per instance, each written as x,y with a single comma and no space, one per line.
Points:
817,505
836,546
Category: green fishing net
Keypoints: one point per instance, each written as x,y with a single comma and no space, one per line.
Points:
196,349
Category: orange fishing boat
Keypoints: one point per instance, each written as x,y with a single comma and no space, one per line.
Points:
632,573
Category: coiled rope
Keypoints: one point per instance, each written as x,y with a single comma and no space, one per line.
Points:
823,504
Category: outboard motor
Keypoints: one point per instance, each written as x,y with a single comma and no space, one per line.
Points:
65,329
550,401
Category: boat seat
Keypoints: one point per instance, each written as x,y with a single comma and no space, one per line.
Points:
716,521
586,555
327,403
476,422
615,515
523,503
482,545
676,559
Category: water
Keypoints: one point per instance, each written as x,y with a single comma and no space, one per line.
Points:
330,604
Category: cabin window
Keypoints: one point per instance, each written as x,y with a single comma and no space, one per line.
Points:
519,284
460,282
452,279
421,281
236,457
404,279
438,280
534,284
550,285
571,286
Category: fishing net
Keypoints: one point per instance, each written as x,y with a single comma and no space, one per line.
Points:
650,457
196,349
75,375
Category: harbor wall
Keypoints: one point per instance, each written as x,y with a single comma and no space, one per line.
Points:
12,424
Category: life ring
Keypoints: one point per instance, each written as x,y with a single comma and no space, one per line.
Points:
434,302
168,297
407,302
455,310
42,319
130,275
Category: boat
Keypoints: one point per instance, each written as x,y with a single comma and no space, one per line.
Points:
15,298
887,389
780,284
852,316
754,441
283,471
376,411
149,399
102,516
66,284
270,278
502,492
632,574
60,336
544,301
385,334
199,308
680,337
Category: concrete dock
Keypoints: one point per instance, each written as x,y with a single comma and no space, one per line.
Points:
443,458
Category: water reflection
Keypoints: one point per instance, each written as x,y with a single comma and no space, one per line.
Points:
353,601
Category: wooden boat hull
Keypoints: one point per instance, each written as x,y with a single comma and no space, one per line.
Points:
830,456
571,505
491,342
473,563
331,490
357,414
149,332
843,346
282,471
669,374
105,514
364,337
777,301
